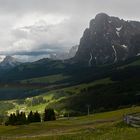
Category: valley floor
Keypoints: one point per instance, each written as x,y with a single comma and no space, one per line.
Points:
101,126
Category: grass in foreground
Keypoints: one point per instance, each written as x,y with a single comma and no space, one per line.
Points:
101,126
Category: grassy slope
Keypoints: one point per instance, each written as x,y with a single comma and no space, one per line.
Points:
135,63
55,96
70,129
101,126
5,106
46,79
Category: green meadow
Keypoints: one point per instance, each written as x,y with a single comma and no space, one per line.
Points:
99,126
52,97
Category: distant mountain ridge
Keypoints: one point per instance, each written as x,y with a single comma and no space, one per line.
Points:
9,62
108,40
65,55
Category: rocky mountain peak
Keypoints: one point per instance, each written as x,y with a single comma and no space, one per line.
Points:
9,59
108,40
101,18
9,62
65,55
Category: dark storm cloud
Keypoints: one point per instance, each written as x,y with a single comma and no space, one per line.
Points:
28,27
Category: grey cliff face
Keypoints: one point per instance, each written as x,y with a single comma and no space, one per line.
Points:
108,40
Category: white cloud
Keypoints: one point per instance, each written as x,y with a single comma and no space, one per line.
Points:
39,25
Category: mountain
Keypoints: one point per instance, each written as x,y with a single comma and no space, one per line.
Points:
72,51
108,40
65,55
9,62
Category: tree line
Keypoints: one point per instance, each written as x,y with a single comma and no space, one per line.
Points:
20,118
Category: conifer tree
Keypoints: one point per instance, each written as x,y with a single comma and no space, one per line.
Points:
49,115
30,117
37,117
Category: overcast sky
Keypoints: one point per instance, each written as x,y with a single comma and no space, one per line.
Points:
30,29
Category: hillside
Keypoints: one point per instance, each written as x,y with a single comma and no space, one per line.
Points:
105,88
